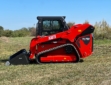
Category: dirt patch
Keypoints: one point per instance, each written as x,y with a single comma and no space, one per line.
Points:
4,39
106,82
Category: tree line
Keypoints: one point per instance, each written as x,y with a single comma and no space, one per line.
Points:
102,31
31,31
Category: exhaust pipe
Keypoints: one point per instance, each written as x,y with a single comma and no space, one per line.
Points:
19,58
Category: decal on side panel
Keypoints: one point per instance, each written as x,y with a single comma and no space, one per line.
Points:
52,37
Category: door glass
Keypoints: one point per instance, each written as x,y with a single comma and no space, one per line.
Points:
55,25
51,27
46,25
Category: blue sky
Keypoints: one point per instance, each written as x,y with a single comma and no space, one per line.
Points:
15,14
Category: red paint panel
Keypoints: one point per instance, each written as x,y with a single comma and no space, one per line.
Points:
85,49
58,58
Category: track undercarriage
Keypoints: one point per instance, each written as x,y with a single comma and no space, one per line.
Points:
56,43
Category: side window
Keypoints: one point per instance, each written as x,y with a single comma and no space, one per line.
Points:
46,25
55,25
51,27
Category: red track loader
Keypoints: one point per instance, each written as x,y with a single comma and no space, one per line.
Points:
56,42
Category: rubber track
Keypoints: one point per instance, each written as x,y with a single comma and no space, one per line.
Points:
52,49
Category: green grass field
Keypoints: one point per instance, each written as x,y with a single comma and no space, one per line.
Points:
95,70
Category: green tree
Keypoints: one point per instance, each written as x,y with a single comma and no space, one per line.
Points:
24,31
70,24
8,33
32,31
1,31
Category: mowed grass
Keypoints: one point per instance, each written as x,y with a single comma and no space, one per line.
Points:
95,70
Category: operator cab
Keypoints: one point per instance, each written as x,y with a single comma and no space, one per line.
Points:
48,25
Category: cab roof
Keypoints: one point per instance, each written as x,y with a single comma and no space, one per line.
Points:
50,17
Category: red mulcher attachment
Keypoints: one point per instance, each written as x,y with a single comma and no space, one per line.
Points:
56,42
